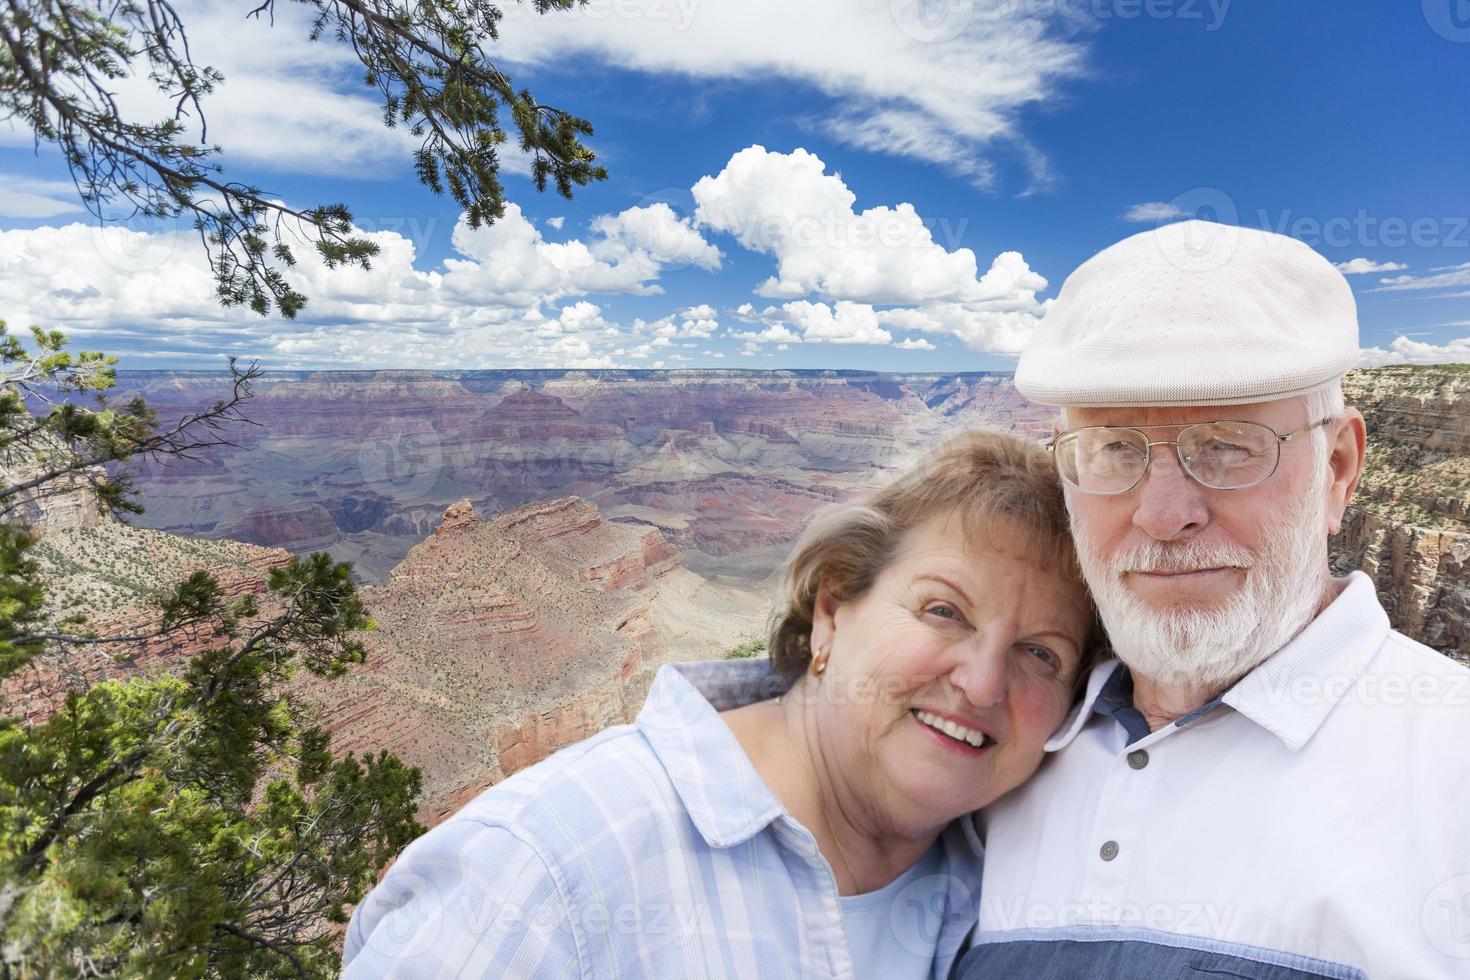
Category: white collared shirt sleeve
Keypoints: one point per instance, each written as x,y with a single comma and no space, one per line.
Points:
467,899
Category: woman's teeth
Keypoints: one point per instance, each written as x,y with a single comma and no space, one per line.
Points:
953,730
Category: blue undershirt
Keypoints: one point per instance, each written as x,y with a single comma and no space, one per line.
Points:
885,929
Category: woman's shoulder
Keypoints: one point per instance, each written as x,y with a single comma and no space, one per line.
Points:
600,780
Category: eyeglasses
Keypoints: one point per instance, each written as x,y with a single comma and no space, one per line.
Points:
1224,455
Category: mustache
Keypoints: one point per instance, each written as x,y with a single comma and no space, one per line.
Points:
1169,558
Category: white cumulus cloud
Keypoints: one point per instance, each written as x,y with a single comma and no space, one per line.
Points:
1441,277
942,83
151,294
657,231
788,206
1150,212
1362,266
1406,351
844,323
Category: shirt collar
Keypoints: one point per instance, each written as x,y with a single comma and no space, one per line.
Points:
1083,709
1293,691
714,778
726,798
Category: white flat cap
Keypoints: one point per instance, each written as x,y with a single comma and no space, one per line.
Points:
1193,313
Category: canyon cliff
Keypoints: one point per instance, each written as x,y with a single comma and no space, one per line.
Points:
1409,526
498,641
501,640
723,463
540,542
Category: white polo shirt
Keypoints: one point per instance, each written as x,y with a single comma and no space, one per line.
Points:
1313,821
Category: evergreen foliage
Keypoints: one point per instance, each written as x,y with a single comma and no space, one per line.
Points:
184,823
60,61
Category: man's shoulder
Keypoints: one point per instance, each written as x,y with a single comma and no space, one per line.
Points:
1404,651
1413,696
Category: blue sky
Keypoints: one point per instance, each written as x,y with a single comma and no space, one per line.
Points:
745,141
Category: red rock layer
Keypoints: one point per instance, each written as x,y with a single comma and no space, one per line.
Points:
501,640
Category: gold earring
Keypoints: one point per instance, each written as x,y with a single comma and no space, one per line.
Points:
819,663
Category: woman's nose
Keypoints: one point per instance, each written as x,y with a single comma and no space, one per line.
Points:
982,673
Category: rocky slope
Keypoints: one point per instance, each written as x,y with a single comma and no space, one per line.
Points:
501,640
113,572
1410,524
498,641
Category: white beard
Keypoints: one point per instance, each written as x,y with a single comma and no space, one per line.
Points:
1211,648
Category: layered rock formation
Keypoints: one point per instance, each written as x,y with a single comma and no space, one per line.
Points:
1409,526
727,465
724,462
113,573
503,639
499,640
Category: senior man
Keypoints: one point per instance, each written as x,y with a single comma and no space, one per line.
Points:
1268,782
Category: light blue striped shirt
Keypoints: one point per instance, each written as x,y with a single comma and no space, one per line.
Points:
648,850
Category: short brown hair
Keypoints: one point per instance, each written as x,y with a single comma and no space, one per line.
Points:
980,474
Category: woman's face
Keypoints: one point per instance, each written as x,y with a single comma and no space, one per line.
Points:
955,631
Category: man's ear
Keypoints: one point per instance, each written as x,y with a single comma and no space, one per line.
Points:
824,619
1346,454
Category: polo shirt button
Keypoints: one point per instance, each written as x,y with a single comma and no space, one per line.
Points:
1109,850
1138,758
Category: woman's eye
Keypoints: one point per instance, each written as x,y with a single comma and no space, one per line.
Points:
944,611
1045,656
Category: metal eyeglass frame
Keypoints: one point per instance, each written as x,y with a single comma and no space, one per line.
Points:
1148,458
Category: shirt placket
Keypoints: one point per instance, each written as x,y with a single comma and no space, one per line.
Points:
1119,831
821,913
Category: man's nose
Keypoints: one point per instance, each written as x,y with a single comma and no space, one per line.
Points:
1171,503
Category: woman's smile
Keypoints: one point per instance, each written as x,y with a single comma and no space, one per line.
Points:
950,734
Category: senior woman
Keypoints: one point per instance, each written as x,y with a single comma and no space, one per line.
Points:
802,816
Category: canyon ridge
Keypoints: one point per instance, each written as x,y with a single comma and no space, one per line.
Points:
535,544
